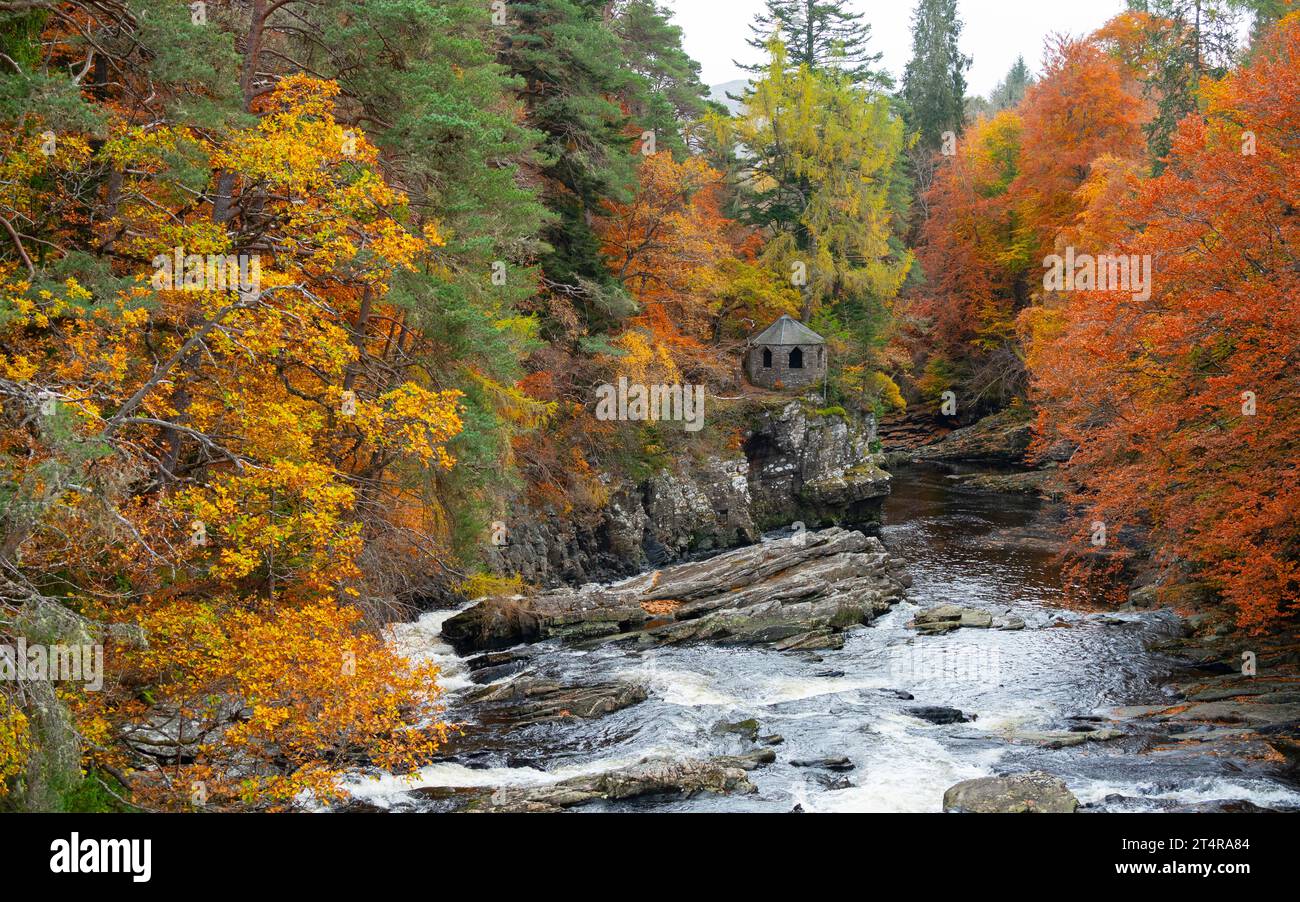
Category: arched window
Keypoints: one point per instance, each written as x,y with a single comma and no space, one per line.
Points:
767,358
796,359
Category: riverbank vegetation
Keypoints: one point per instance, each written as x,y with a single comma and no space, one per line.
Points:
300,300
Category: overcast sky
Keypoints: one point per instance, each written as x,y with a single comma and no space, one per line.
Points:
996,32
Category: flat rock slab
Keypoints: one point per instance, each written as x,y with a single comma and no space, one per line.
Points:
799,593
1245,711
948,617
1062,739
1002,437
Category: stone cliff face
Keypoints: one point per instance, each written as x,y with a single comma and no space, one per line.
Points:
795,467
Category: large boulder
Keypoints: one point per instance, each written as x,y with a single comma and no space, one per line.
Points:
1029,793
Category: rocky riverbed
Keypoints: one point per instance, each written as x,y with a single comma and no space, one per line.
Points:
930,667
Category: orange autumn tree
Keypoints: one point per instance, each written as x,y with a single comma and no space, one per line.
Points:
974,253
191,461
693,271
1011,195
665,246
1186,406
1081,109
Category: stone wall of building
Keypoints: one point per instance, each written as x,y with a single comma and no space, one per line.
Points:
781,374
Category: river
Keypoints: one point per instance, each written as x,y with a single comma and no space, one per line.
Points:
1067,669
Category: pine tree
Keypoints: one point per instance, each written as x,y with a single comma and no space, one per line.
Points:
423,77
1186,40
576,88
934,83
1011,90
673,95
822,35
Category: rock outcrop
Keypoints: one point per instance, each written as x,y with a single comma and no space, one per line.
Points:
801,592
1003,437
813,468
797,465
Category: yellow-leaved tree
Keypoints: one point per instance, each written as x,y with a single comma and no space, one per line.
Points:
200,450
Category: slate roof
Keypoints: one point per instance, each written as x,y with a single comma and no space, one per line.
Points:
787,331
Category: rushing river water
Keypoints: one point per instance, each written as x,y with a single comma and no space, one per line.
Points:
1065,670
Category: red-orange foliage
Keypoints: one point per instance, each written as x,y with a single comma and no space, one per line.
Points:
1014,191
971,245
1186,406
1080,110
665,245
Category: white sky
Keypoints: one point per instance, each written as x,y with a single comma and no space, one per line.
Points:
996,32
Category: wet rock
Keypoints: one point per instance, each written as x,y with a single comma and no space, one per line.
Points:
814,640
899,694
832,781
1035,792
1011,624
837,763
1245,687
1061,739
949,617
497,623
1027,482
940,715
750,761
1248,712
1039,537
744,728
493,659
1216,667
527,701
493,666
1119,803
650,777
